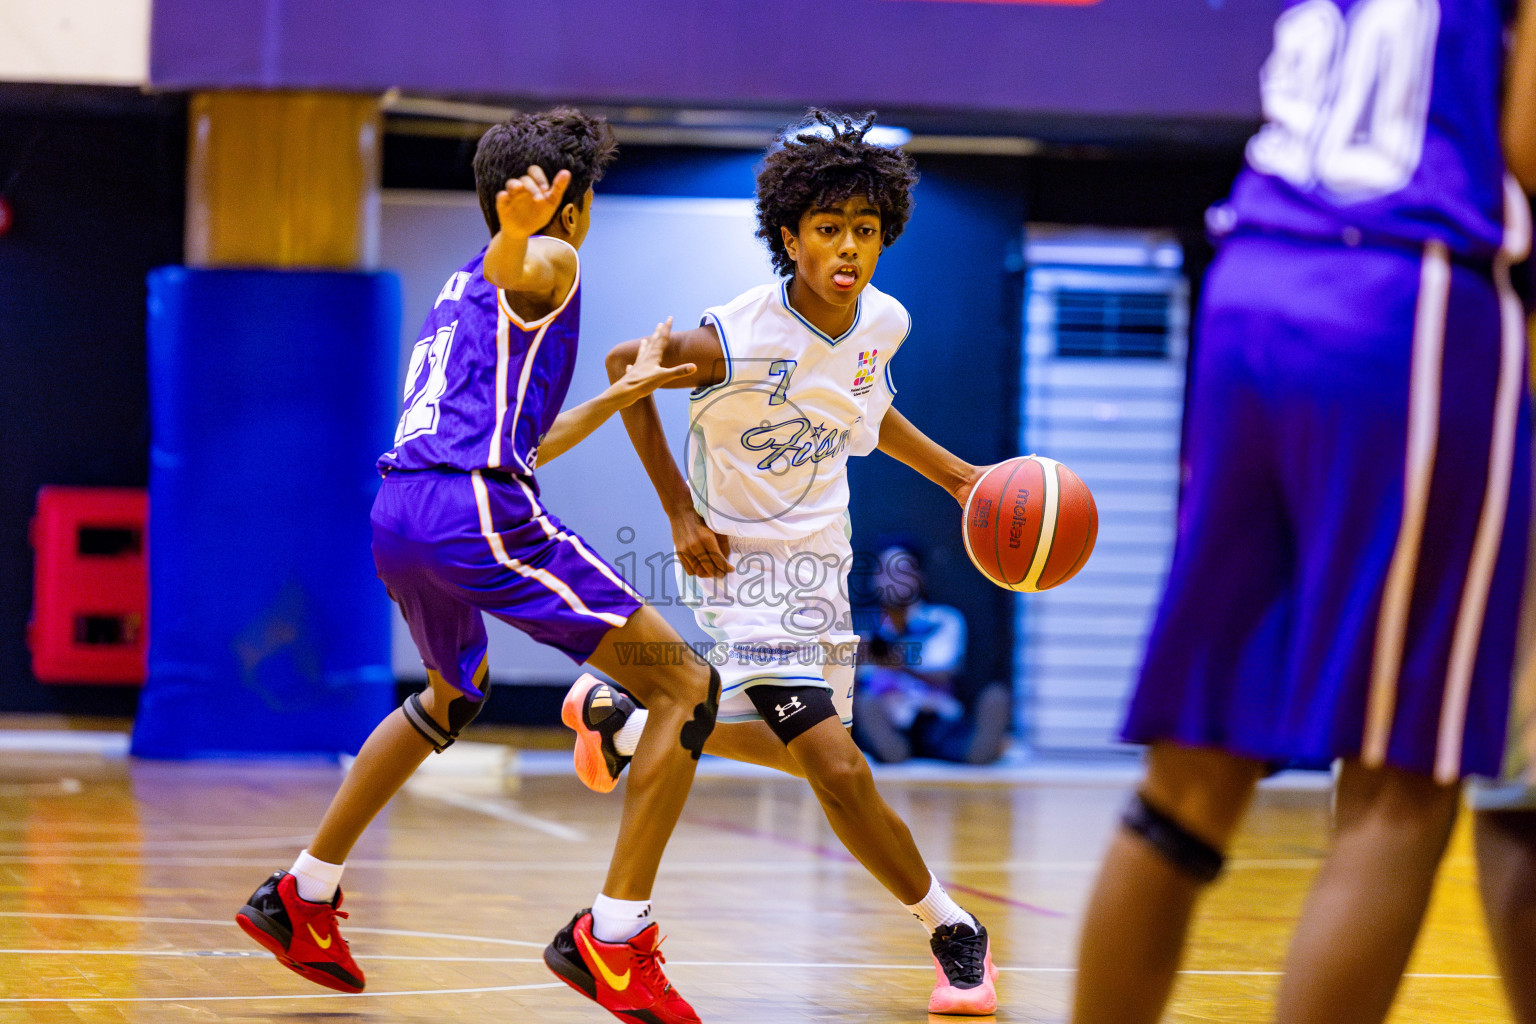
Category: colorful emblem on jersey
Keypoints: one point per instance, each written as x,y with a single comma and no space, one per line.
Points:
864,374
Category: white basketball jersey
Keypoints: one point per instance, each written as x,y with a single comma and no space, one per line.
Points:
768,447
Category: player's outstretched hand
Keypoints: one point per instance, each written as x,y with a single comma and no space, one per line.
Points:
646,373
702,551
528,203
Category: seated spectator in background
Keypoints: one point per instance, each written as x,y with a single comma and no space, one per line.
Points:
904,704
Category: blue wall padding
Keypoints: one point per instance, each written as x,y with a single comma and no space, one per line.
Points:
271,395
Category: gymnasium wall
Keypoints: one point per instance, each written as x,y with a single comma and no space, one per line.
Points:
97,188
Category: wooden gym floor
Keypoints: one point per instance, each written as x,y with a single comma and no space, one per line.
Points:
119,880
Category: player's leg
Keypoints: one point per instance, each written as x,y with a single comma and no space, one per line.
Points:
292,914
515,560
390,756
1211,676
608,952
1170,846
681,700
1438,696
1363,912
1506,877
752,743
808,722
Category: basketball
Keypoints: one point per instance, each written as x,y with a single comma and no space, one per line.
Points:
1029,524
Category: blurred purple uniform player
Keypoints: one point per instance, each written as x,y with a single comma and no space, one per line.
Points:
1351,539
1344,584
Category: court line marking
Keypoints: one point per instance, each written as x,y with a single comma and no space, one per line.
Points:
268,998
362,930
64,786
150,844
501,812
682,867
770,964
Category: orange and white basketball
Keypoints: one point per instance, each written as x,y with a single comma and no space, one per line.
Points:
1030,523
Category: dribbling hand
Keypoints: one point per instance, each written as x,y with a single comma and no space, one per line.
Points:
528,203
964,490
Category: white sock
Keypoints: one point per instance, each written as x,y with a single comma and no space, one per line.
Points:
317,880
619,920
627,738
936,909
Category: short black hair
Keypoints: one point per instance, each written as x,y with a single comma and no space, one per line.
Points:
822,161
562,139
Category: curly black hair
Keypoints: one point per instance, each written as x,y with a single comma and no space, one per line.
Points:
562,139
821,162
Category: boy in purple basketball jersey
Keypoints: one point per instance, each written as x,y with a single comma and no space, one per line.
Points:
1505,821
1352,535
459,528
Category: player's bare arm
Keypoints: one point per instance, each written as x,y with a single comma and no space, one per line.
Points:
902,441
1519,128
701,551
520,261
639,379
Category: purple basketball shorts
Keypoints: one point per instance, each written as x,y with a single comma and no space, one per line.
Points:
1351,542
451,545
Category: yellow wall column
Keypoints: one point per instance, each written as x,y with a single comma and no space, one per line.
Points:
283,179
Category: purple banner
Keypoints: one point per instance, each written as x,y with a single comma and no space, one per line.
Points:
1180,59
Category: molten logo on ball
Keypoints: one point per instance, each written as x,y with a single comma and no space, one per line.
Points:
1052,524
1020,514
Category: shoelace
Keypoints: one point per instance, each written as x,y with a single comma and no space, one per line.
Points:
963,958
330,914
648,965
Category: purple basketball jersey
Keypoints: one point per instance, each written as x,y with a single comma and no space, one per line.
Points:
483,385
1382,126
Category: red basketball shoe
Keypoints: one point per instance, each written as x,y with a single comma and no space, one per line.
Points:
623,978
964,975
302,935
597,711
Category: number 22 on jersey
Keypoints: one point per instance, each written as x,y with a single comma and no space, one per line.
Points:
425,384
1346,101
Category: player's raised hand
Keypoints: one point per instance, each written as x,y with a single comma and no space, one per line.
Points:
646,373
528,203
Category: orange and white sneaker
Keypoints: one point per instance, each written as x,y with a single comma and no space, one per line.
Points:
597,711
302,935
624,978
964,983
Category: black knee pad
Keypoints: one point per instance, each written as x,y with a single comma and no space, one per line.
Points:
461,711
1173,842
792,710
696,731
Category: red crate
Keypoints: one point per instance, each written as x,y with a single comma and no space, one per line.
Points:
90,594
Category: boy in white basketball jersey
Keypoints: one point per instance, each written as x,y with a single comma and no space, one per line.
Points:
792,378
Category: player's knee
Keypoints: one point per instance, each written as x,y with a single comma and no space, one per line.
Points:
842,780
442,728
696,730
1173,842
